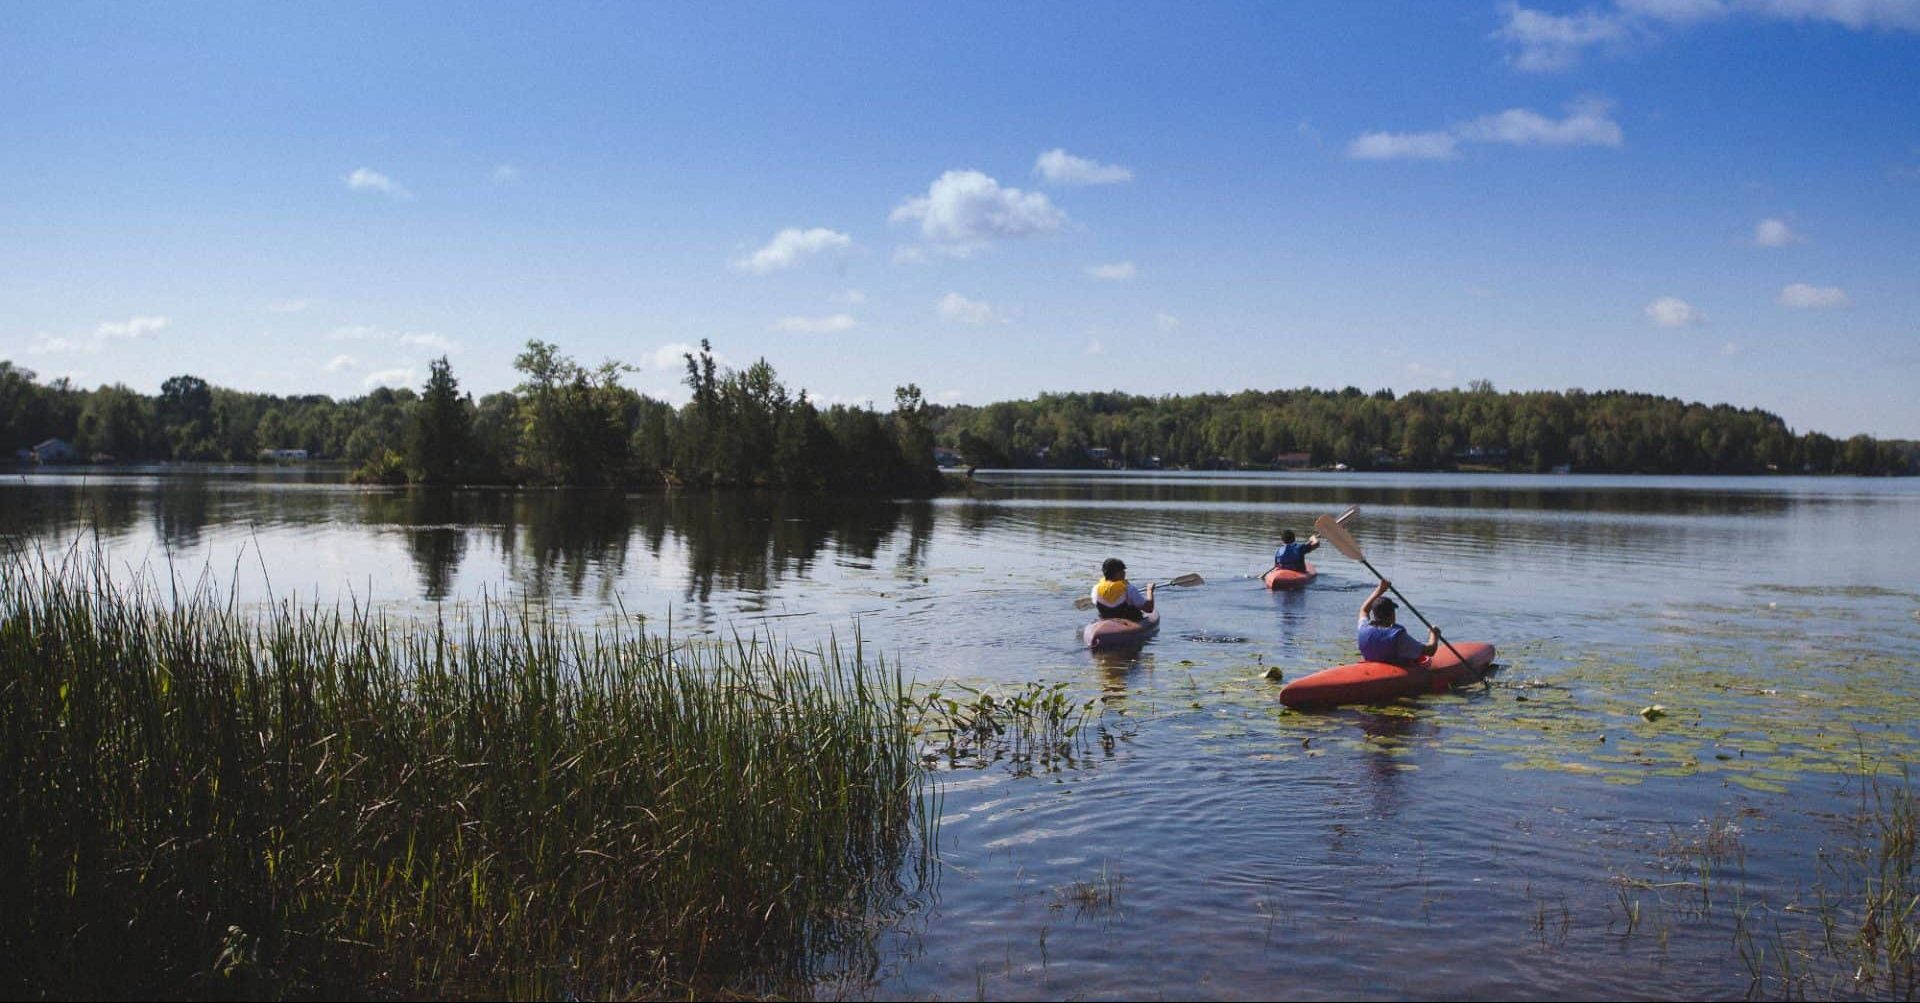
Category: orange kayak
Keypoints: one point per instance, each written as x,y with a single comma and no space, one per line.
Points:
1103,634
1376,682
1280,578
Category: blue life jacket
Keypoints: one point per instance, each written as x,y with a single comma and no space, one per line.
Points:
1388,644
1291,556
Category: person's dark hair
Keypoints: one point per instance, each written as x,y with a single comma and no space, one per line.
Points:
1382,612
1286,536
1113,569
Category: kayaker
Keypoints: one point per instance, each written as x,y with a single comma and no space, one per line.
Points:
1114,598
1382,640
1293,556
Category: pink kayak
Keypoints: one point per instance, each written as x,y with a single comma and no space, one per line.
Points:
1280,578
1103,634
1376,682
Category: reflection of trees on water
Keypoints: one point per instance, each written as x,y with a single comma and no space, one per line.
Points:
59,514
750,541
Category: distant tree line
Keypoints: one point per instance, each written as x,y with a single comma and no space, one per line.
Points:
1605,431
565,423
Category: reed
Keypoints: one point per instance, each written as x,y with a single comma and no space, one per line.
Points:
201,799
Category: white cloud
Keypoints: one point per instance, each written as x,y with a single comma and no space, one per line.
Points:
388,378
505,174
1859,15
290,306
852,297
1774,233
949,396
815,325
1166,321
106,331
789,247
1094,347
340,362
1119,271
1545,42
1802,296
963,211
365,180
1404,146
436,342
132,327
354,332
1587,124
1672,311
958,308
1548,42
1063,168
1729,350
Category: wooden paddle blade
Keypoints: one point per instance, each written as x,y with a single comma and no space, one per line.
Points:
1336,534
1190,578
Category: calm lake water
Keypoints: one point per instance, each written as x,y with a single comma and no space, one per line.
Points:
1531,837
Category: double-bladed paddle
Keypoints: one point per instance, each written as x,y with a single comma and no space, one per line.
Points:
1330,530
1190,578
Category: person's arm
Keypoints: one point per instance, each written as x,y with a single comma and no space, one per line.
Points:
1147,607
1433,642
1313,543
1374,597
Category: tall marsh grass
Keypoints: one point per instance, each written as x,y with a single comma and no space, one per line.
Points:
200,799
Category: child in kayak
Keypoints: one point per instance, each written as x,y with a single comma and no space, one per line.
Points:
1293,556
1114,598
1381,640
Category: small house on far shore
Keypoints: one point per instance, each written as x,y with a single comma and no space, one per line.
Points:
283,456
55,451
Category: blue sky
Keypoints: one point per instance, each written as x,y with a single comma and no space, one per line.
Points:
1716,199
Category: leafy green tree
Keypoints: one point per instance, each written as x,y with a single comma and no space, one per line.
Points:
440,431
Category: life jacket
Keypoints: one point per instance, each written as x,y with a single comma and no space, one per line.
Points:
1110,601
1384,644
1291,556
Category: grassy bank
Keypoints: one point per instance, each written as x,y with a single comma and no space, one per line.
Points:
201,800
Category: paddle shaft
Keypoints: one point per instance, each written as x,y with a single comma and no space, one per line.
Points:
1411,609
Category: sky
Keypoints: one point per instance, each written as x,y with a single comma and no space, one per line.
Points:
1712,199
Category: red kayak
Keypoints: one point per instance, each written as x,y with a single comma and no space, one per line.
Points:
1377,682
1280,578
1101,635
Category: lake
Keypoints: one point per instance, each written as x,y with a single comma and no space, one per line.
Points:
1533,836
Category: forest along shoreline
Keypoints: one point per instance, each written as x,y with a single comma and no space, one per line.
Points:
569,424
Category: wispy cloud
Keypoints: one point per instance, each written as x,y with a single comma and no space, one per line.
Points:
103,333
850,297
398,377
791,246
365,179
340,362
964,211
958,308
1166,321
1543,42
816,325
291,306
436,342
1672,311
1404,146
1119,271
1774,233
505,174
1802,296
1094,346
672,357
1587,122
1063,168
